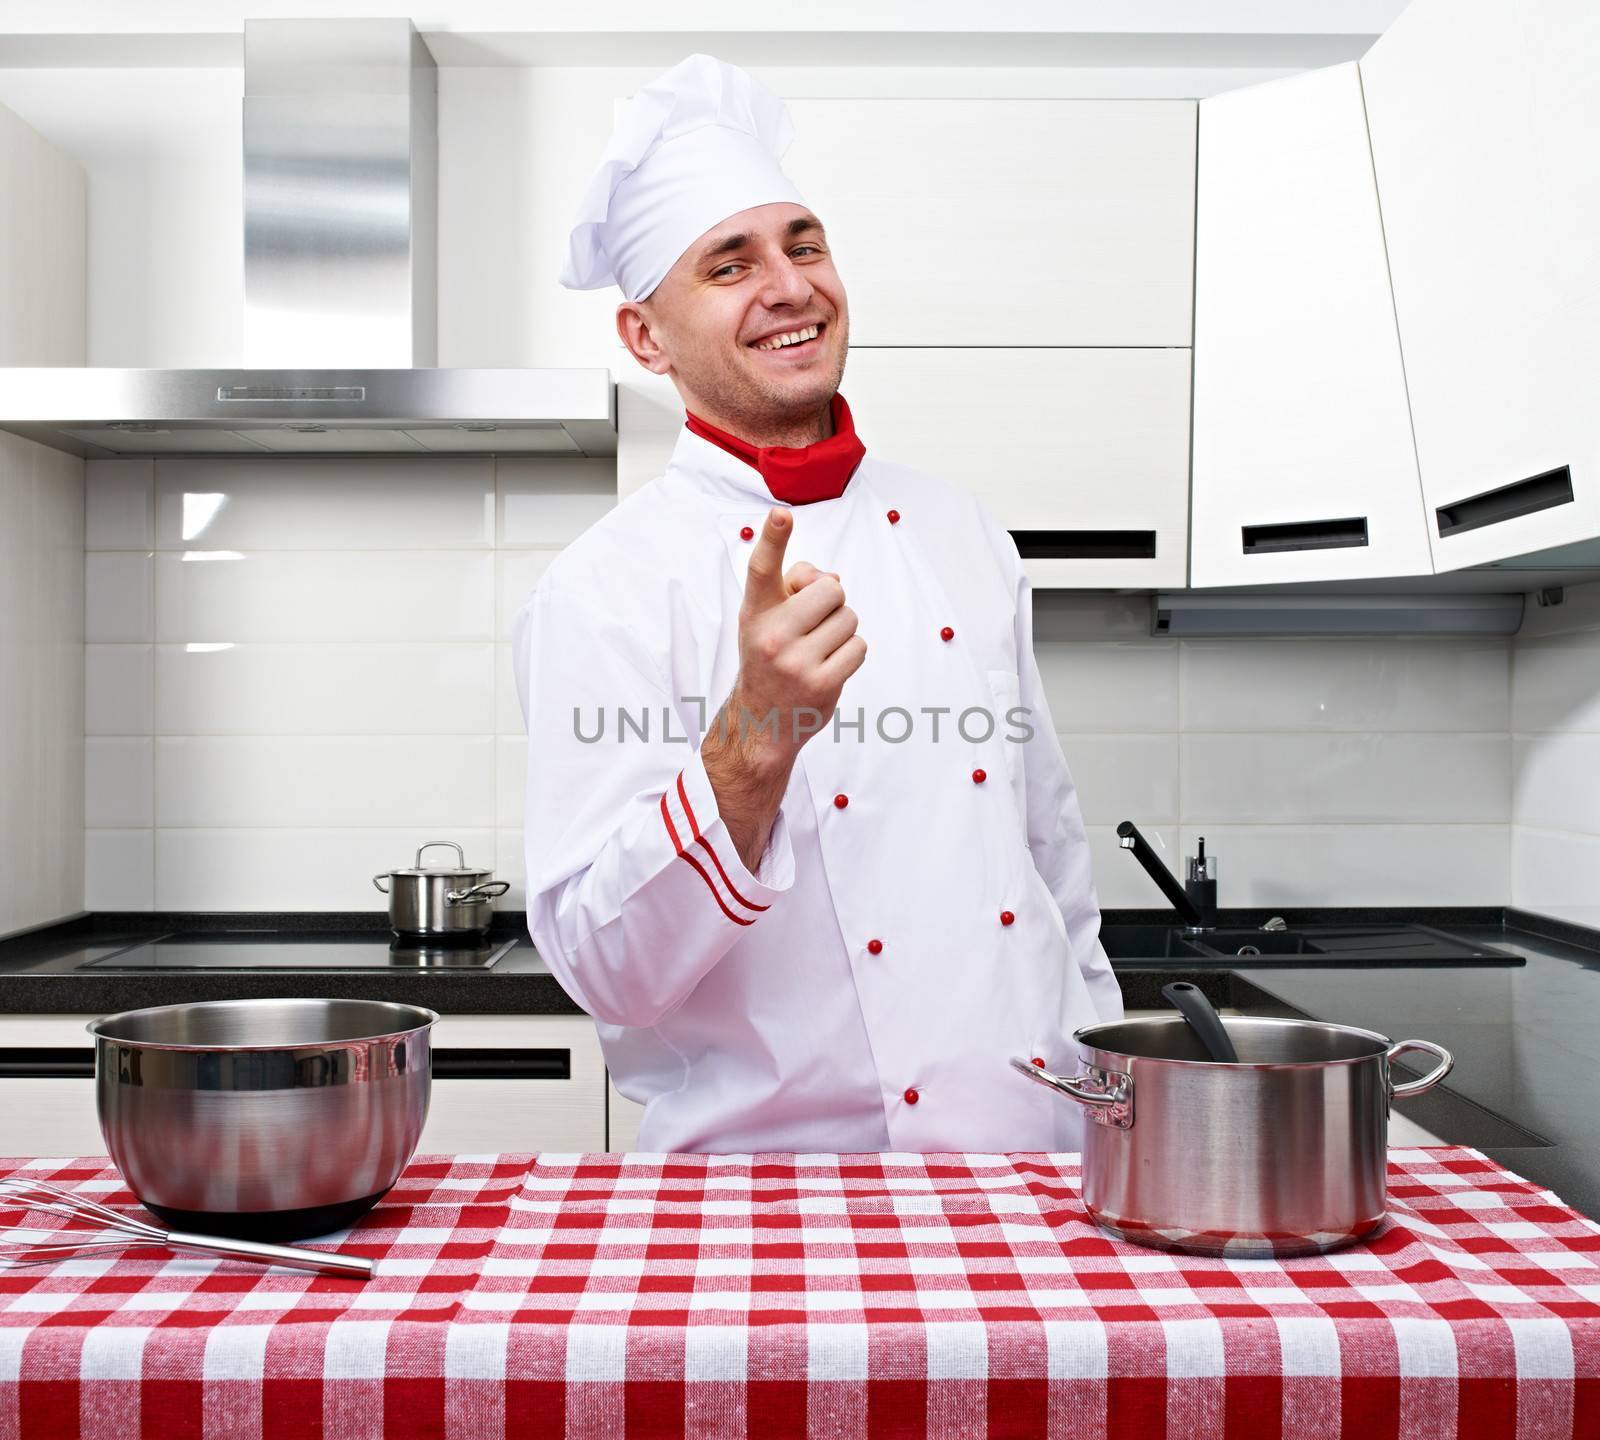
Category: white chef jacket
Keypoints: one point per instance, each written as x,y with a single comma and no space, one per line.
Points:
923,910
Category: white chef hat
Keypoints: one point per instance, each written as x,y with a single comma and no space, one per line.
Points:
694,146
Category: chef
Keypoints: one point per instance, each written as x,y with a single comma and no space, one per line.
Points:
799,833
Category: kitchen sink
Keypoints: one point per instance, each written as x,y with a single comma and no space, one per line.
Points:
1254,942
1322,945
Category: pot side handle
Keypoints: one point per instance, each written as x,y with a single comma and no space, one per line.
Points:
489,890
384,888
1433,1077
1110,1104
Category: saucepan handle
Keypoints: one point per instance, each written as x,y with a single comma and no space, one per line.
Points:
1433,1077
489,890
1106,1094
380,883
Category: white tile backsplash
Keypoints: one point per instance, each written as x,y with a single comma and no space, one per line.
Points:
308,782
119,505
323,868
118,782
1557,781
328,681
117,595
1345,779
517,572
1323,685
352,503
311,597
1557,873
1124,777
552,502
118,689
1110,687
374,689
119,869
1291,865
1556,683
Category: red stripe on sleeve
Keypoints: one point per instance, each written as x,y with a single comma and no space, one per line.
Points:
694,824
700,869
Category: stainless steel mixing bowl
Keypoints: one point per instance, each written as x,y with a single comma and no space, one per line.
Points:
270,1119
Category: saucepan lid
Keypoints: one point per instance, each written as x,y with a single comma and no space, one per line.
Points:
459,871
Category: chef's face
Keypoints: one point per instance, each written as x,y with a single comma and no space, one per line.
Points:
714,323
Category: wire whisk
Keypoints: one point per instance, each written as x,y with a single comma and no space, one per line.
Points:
93,1227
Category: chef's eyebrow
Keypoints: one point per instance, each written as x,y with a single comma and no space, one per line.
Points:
800,225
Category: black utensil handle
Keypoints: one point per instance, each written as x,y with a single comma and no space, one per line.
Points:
1190,1002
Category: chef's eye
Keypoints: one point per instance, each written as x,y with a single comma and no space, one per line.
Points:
722,270
804,249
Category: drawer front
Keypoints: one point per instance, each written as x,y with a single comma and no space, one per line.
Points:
501,1083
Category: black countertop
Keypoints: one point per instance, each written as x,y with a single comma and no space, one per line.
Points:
1525,1088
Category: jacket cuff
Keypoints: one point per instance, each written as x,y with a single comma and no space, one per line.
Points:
695,828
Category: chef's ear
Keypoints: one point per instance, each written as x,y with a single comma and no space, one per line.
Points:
634,324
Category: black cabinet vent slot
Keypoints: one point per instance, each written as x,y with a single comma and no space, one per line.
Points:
502,1064
1525,497
1305,535
1085,544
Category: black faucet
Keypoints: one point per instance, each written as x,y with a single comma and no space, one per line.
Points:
1199,911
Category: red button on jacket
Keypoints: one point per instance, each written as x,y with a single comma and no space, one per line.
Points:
747,533
979,776
840,801
874,947
947,633
1006,917
894,517
912,1097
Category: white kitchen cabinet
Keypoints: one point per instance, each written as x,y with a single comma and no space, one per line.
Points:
538,1110
966,221
1082,454
484,1115
1487,183
1304,467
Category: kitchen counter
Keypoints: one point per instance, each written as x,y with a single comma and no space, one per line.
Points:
1524,1037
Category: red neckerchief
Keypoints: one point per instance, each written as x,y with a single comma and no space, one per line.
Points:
797,475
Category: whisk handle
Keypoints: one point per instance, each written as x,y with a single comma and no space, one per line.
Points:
354,1267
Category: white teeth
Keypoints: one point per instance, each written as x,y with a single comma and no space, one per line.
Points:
794,337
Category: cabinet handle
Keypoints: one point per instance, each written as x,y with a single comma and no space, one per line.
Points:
47,1063
1524,497
1085,544
555,1064
61,1063
1305,535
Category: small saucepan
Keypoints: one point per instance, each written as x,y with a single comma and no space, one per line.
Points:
440,902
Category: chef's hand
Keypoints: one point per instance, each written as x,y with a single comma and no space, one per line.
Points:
797,645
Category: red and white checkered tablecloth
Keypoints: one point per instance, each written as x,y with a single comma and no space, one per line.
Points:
819,1295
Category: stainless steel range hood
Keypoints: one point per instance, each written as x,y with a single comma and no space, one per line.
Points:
340,226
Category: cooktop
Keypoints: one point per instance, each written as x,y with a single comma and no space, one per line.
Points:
270,950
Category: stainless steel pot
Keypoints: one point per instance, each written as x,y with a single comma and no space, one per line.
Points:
1281,1154
268,1119
440,901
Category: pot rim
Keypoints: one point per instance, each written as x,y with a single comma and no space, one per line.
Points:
1081,1035
93,1027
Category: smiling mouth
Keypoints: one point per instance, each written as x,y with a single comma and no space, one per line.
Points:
804,341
